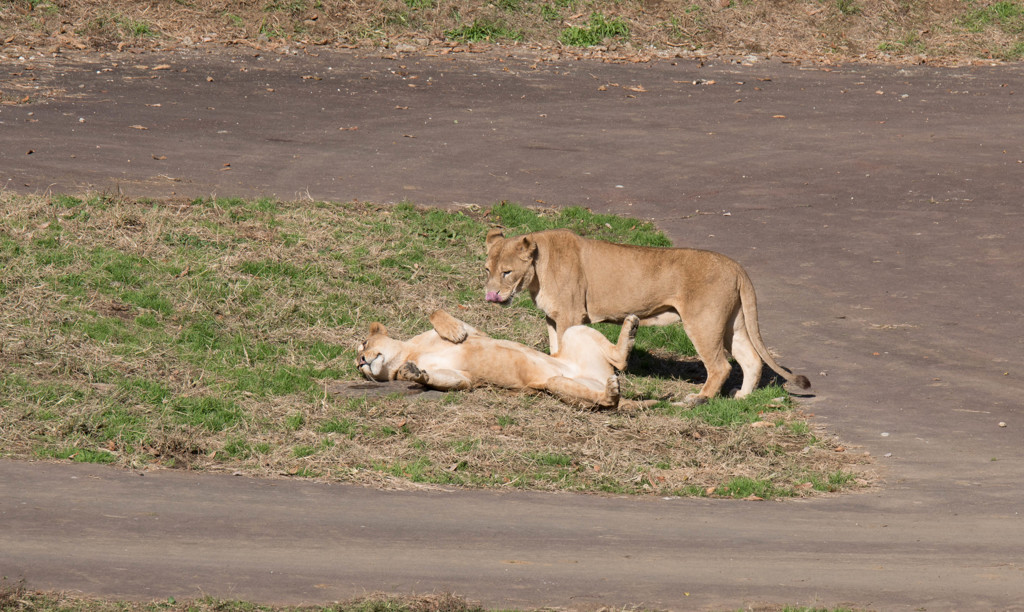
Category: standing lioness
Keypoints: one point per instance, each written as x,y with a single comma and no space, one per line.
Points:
575,280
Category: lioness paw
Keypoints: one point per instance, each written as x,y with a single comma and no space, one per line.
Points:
410,372
691,400
611,393
448,327
631,323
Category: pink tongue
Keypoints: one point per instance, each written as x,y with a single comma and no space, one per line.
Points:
492,296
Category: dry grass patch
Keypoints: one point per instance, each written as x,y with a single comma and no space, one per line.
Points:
205,334
946,30
15,597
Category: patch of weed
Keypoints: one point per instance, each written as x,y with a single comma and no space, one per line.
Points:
597,30
518,220
742,487
848,7
482,30
1007,15
211,413
343,426
729,412
78,455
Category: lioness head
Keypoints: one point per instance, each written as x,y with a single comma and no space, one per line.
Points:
510,266
376,354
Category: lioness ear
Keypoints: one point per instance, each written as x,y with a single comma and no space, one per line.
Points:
377,328
526,248
493,236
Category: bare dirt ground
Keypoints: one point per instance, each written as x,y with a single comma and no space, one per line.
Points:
874,206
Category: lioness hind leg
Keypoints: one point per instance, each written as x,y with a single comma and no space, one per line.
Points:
708,340
574,392
746,356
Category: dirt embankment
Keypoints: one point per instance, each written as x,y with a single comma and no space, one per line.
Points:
946,31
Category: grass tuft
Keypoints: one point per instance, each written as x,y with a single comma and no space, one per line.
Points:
597,30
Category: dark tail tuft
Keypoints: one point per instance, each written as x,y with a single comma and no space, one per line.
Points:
801,381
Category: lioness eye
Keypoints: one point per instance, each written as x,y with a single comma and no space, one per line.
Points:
506,273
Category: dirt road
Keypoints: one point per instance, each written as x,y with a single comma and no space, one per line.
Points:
876,208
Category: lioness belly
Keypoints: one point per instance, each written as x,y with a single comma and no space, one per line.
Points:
497,362
665,318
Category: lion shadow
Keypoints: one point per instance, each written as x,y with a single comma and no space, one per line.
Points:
690,369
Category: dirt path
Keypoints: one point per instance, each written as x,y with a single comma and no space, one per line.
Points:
876,209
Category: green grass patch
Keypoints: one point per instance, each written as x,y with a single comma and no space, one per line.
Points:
1007,15
482,30
597,30
78,455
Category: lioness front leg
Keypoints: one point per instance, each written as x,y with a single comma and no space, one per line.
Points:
553,337
412,373
444,380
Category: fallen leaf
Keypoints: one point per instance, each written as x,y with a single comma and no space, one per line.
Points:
159,157
840,449
709,491
162,67
636,88
762,424
778,116
209,79
138,127
753,498
154,105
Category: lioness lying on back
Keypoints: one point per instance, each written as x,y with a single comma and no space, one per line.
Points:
454,355
575,280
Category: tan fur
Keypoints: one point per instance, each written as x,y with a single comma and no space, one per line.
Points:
454,355
575,280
